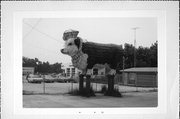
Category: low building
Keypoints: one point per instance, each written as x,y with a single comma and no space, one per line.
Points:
70,70
28,70
99,70
145,77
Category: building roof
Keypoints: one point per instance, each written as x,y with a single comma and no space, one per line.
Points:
141,69
99,66
28,67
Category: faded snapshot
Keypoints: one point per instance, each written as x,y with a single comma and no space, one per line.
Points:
90,62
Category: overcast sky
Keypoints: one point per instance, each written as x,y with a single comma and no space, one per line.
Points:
42,38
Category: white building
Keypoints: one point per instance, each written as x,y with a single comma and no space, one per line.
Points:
70,70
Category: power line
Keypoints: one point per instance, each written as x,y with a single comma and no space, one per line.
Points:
33,27
43,33
41,48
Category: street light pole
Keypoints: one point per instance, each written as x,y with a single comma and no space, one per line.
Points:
135,28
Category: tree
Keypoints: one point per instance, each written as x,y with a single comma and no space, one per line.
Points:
145,56
129,55
153,54
42,67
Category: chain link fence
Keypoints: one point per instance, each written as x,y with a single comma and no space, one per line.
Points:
58,88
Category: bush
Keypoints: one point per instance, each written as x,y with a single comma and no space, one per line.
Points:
103,89
114,93
83,93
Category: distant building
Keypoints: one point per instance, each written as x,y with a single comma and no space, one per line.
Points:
146,76
28,70
70,70
98,70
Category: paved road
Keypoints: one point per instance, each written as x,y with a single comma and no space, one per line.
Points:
67,101
57,98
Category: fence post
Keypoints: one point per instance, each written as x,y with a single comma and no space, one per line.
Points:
72,87
44,84
136,82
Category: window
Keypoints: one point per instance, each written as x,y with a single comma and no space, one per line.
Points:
95,71
73,71
68,71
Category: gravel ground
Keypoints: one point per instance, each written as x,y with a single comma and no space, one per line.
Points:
56,97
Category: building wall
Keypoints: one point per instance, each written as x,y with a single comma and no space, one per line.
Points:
98,71
147,79
132,77
28,70
70,71
125,78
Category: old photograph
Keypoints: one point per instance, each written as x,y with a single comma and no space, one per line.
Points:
89,62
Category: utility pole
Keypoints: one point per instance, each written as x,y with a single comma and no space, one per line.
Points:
135,28
123,70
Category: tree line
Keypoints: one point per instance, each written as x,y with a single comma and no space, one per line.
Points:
42,67
145,57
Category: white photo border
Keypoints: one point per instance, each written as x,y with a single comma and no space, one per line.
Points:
13,12
161,26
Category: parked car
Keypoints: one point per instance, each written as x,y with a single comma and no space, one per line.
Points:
60,79
49,79
31,78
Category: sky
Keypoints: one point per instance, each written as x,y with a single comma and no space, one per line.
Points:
42,37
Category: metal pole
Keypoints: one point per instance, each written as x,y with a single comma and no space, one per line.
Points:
44,84
72,86
135,28
123,71
134,48
136,84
